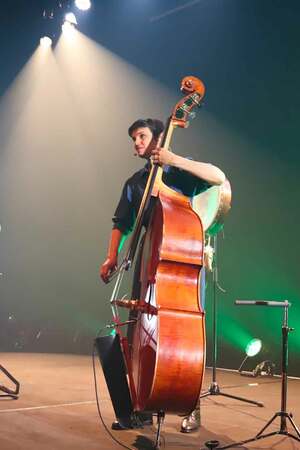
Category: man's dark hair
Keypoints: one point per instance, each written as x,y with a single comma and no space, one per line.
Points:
155,125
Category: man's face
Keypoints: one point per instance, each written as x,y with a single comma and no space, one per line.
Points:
144,141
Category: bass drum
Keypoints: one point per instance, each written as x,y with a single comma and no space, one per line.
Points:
212,207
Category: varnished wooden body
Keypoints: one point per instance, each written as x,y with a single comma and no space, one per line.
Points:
168,351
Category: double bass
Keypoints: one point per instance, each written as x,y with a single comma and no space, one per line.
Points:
165,355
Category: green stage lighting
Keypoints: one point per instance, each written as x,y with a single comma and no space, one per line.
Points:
265,368
253,347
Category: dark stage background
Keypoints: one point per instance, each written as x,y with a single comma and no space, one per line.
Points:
64,155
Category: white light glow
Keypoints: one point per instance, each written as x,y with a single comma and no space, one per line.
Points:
70,17
84,5
68,28
45,42
253,347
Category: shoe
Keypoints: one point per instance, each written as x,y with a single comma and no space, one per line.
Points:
145,418
137,420
192,422
120,425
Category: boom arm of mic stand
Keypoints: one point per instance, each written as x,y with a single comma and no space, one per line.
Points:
283,304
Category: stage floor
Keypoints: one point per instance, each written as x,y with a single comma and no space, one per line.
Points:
56,409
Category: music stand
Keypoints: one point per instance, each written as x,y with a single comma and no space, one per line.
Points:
284,416
214,388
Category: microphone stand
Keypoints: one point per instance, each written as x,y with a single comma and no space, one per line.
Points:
282,414
9,392
214,388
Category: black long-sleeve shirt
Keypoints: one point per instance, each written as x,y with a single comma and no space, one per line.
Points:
128,206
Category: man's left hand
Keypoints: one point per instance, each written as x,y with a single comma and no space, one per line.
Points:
161,156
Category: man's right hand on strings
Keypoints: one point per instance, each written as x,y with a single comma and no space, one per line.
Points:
109,266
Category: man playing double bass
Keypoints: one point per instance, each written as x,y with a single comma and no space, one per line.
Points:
185,176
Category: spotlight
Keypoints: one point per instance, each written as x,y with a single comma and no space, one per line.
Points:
68,28
45,42
71,18
253,348
265,368
83,5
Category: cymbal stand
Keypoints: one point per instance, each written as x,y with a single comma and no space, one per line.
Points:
284,416
214,388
